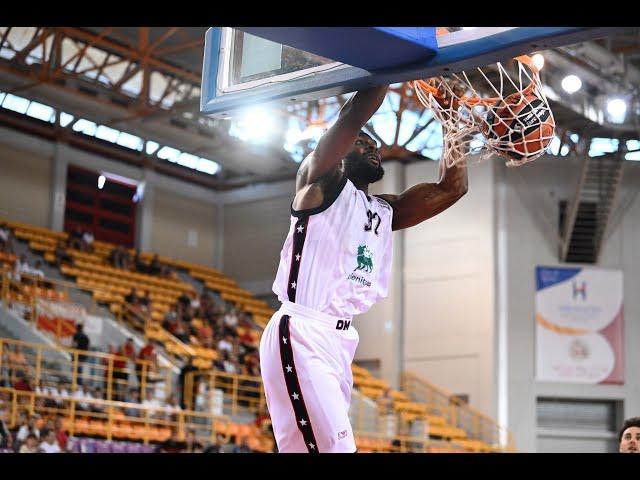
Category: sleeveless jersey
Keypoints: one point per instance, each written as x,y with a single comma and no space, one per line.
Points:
336,258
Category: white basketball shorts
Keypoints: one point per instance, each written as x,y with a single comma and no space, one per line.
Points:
305,361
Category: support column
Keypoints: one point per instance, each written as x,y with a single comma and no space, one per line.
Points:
58,187
144,218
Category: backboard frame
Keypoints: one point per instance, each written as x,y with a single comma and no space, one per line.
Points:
456,53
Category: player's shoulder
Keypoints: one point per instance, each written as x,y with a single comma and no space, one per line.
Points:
382,202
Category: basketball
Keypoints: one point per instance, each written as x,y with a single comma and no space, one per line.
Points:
520,126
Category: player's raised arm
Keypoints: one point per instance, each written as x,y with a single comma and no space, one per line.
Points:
339,139
426,200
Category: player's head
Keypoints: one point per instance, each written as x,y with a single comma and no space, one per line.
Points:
629,436
363,163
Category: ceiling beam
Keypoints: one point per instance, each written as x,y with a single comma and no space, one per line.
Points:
133,54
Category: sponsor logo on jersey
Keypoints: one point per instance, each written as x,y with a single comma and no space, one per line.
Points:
364,259
365,262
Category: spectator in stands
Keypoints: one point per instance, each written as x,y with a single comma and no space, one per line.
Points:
243,447
87,241
120,375
225,344
154,267
6,239
217,447
188,367
139,264
629,436
181,332
23,383
98,394
231,322
192,445
37,271
184,299
75,238
170,320
82,395
17,361
61,436
133,397
21,266
80,342
205,332
153,404
62,257
132,298
247,339
173,407
27,428
30,444
119,257
48,443
129,349
147,353
145,302
6,439
229,362
173,444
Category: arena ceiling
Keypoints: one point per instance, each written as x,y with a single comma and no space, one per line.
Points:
146,81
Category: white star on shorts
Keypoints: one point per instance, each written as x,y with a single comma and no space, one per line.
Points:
295,396
284,339
312,446
300,229
289,370
297,257
303,422
293,285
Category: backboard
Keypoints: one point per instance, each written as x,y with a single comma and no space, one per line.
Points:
242,69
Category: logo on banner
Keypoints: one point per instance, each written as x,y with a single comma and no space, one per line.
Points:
580,290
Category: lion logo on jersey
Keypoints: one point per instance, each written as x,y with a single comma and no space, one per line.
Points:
364,258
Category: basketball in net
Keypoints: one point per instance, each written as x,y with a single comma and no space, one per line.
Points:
498,109
520,126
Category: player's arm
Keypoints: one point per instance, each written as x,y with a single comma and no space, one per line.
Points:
427,200
334,145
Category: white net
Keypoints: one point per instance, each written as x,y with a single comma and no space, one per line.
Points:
499,109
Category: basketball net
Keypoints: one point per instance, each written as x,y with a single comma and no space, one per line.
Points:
499,109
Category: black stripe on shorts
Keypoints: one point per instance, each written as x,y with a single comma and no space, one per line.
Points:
293,386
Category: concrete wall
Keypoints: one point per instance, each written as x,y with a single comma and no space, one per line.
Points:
183,228
255,227
25,188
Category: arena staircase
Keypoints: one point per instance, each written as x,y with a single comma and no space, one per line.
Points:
589,212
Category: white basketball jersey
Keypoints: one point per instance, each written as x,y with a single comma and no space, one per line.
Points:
337,257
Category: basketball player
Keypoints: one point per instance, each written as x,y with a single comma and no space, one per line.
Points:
335,264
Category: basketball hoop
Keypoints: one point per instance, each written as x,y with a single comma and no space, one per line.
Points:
497,109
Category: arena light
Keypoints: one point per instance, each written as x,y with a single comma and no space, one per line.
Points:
255,125
538,60
101,180
571,84
617,110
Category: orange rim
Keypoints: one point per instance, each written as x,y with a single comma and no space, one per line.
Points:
474,100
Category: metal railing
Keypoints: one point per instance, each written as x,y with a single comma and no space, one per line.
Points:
44,365
224,393
113,419
458,414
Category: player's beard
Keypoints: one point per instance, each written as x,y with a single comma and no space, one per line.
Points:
360,169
